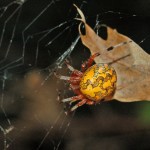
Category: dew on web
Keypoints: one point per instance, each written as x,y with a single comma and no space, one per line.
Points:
35,39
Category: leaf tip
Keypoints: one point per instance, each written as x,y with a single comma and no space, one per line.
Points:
80,13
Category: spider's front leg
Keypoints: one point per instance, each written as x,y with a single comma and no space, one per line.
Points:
89,62
74,77
75,72
69,79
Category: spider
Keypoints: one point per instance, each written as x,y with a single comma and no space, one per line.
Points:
93,84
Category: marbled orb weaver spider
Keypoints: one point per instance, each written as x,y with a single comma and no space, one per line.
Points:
94,83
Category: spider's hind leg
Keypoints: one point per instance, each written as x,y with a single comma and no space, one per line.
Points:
73,99
82,102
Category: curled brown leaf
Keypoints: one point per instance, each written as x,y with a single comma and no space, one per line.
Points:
130,61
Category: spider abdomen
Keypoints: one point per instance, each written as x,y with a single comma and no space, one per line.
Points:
98,82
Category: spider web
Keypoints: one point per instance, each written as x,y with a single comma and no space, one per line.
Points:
35,39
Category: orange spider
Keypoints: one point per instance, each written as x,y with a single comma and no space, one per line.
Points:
92,84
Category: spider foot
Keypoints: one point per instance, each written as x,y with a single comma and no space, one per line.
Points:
82,102
69,66
67,100
64,77
67,78
74,107
72,99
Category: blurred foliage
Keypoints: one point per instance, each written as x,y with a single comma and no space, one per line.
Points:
144,113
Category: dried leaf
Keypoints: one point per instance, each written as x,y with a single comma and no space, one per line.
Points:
130,61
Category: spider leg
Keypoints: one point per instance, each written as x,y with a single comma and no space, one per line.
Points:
74,80
74,86
72,99
88,63
74,71
91,59
69,66
82,102
90,102
77,73
63,77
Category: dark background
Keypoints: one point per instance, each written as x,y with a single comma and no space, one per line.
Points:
113,125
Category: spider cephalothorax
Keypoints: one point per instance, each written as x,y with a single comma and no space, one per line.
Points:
92,84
